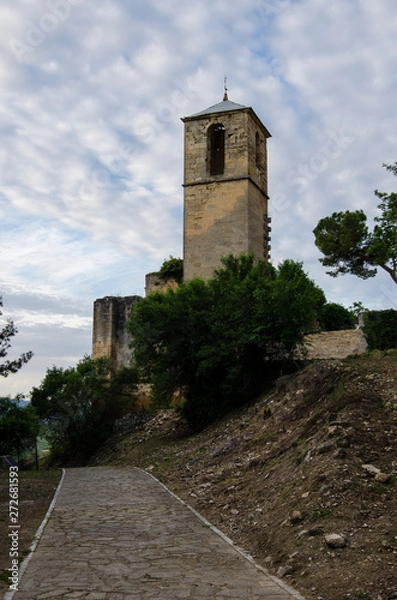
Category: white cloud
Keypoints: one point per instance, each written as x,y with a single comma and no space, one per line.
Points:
92,145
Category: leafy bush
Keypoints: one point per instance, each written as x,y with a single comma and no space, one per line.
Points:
172,269
19,427
79,405
380,329
219,342
335,317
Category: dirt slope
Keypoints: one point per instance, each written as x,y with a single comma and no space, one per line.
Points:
315,458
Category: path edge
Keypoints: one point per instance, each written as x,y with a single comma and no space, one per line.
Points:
242,552
38,534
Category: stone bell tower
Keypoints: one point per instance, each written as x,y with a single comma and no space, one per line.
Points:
225,187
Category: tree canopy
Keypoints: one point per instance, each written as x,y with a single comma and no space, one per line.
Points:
350,247
19,427
218,342
78,405
172,269
8,331
335,317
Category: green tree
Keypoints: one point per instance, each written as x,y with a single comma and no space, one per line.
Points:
19,427
8,331
380,329
219,342
79,405
335,317
172,269
348,245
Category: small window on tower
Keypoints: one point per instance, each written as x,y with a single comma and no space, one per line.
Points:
257,150
216,146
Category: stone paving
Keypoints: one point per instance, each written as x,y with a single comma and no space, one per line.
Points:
119,534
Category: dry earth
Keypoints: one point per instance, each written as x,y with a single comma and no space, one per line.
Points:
36,490
277,477
316,458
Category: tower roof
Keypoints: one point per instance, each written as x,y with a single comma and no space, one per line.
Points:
225,106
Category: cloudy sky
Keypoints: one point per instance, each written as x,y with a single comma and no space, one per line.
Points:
91,142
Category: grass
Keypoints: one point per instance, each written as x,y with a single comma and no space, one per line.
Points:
5,576
382,488
320,514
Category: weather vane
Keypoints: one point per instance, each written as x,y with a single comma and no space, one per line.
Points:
225,90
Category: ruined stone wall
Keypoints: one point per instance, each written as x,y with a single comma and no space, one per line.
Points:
153,283
110,338
335,344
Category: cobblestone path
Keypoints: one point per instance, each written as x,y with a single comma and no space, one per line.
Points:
118,534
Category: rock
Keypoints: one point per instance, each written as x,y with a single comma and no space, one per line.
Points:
295,517
326,447
371,469
383,477
282,571
302,533
334,430
335,540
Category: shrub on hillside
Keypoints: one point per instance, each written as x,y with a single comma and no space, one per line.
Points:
79,405
380,329
335,317
219,342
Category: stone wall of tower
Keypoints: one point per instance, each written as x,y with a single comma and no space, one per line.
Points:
216,224
258,223
154,283
110,338
224,214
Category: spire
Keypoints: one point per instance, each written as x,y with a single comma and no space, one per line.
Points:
225,90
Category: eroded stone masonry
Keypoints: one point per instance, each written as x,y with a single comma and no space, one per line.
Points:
110,338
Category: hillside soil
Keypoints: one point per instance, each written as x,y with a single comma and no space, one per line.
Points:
35,493
304,480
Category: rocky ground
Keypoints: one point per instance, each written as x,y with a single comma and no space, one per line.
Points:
304,479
